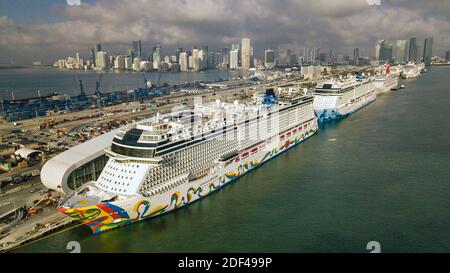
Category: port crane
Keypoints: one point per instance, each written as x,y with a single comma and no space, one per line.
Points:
97,84
82,93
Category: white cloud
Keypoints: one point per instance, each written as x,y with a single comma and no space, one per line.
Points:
323,23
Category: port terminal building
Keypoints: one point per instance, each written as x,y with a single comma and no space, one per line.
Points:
83,163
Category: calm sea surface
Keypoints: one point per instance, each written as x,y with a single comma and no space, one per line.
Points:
26,82
385,178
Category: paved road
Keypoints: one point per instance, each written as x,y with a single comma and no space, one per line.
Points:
18,199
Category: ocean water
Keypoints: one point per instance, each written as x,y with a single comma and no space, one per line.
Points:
27,81
382,174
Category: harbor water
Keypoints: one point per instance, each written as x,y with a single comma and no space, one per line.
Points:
26,82
381,174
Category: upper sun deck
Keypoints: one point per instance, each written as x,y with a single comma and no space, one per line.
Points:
340,85
188,123
162,134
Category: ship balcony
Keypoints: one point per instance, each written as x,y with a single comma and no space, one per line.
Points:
126,158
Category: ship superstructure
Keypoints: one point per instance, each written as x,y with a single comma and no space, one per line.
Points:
171,160
386,82
411,70
338,98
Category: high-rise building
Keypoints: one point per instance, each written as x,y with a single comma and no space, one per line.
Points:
111,61
284,53
137,49
310,55
211,60
102,59
383,51
400,50
234,59
323,57
203,58
218,58
179,51
356,56
246,53
313,55
195,59
225,57
184,61
377,49
412,51
119,62
128,63
156,57
269,58
98,47
447,56
386,52
428,50
137,64
131,54
92,56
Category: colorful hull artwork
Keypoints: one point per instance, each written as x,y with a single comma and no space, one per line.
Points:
106,216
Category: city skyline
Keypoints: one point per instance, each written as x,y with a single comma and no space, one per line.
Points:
55,29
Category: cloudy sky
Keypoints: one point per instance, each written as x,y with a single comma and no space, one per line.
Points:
51,29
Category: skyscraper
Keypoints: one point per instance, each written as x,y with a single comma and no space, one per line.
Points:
156,57
184,61
102,59
377,49
92,56
225,57
400,51
284,53
246,52
196,59
428,50
447,56
119,62
383,51
179,51
412,51
269,58
98,47
234,59
137,49
356,56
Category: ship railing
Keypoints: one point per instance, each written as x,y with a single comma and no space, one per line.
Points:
65,200
167,185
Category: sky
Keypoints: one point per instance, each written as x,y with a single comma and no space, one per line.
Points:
47,30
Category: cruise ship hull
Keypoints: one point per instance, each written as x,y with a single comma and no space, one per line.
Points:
106,216
386,85
344,110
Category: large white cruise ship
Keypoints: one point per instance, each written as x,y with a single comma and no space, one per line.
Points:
338,98
385,82
411,70
166,162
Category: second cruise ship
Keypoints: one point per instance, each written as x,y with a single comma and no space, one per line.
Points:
161,164
338,98
386,82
